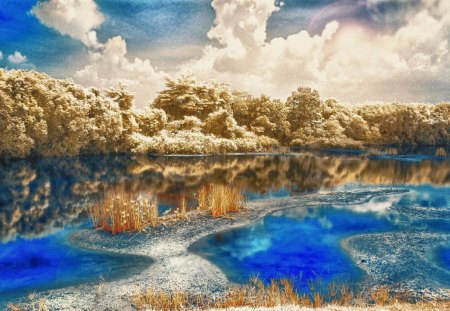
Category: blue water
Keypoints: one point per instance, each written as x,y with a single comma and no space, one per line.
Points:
42,204
443,256
306,241
284,245
51,262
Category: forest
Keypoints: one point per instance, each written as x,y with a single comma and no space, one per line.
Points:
41,116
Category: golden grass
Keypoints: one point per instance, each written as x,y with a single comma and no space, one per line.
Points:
35,303
380,296
120,212
280,292
220,200
160,300
181,211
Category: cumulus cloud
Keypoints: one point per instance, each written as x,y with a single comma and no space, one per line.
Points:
17,58
110,67
76,18
351,62
107,63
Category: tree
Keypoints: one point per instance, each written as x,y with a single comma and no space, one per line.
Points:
305,108
186,97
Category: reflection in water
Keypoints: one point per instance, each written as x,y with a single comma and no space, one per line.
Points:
283,245
391,235
379,205
49,262
39,195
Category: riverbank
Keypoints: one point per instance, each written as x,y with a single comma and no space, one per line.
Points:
428,306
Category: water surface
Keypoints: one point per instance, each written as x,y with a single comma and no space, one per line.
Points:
43,202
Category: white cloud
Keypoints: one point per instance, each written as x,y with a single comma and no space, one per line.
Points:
76,18
17,58
107,63
378,205
347,61
110,66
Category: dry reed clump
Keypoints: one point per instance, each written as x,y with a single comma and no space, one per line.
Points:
220,200
160,300
280,292
120,212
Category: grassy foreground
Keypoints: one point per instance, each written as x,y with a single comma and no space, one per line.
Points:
282,292
279,294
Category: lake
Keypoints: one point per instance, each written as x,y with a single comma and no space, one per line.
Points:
400,236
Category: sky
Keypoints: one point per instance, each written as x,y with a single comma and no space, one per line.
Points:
356,51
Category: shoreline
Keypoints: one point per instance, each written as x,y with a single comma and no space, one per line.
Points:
367,150
173,266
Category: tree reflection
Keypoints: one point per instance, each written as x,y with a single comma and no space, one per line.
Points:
40,195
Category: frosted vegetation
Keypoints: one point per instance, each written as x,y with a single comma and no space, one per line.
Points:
42,116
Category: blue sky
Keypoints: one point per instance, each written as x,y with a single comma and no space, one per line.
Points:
43,47
151,24
172,33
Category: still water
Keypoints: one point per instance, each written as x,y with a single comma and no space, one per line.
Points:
42,202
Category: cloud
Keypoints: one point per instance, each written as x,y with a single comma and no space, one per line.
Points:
347,60
110,66
245,57
76,18
107,63
351,62
17,58
378,205
391,11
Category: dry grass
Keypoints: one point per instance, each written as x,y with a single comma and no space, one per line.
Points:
35,303
181,211
220,200
120,212
160,300
380,296
280,292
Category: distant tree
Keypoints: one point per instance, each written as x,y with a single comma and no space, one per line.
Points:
186,97
262,116
304,108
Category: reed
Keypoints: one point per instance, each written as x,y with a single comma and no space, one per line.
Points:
220,200
158,300
281,292
182,207
34,303
254,294
380,296
120,211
